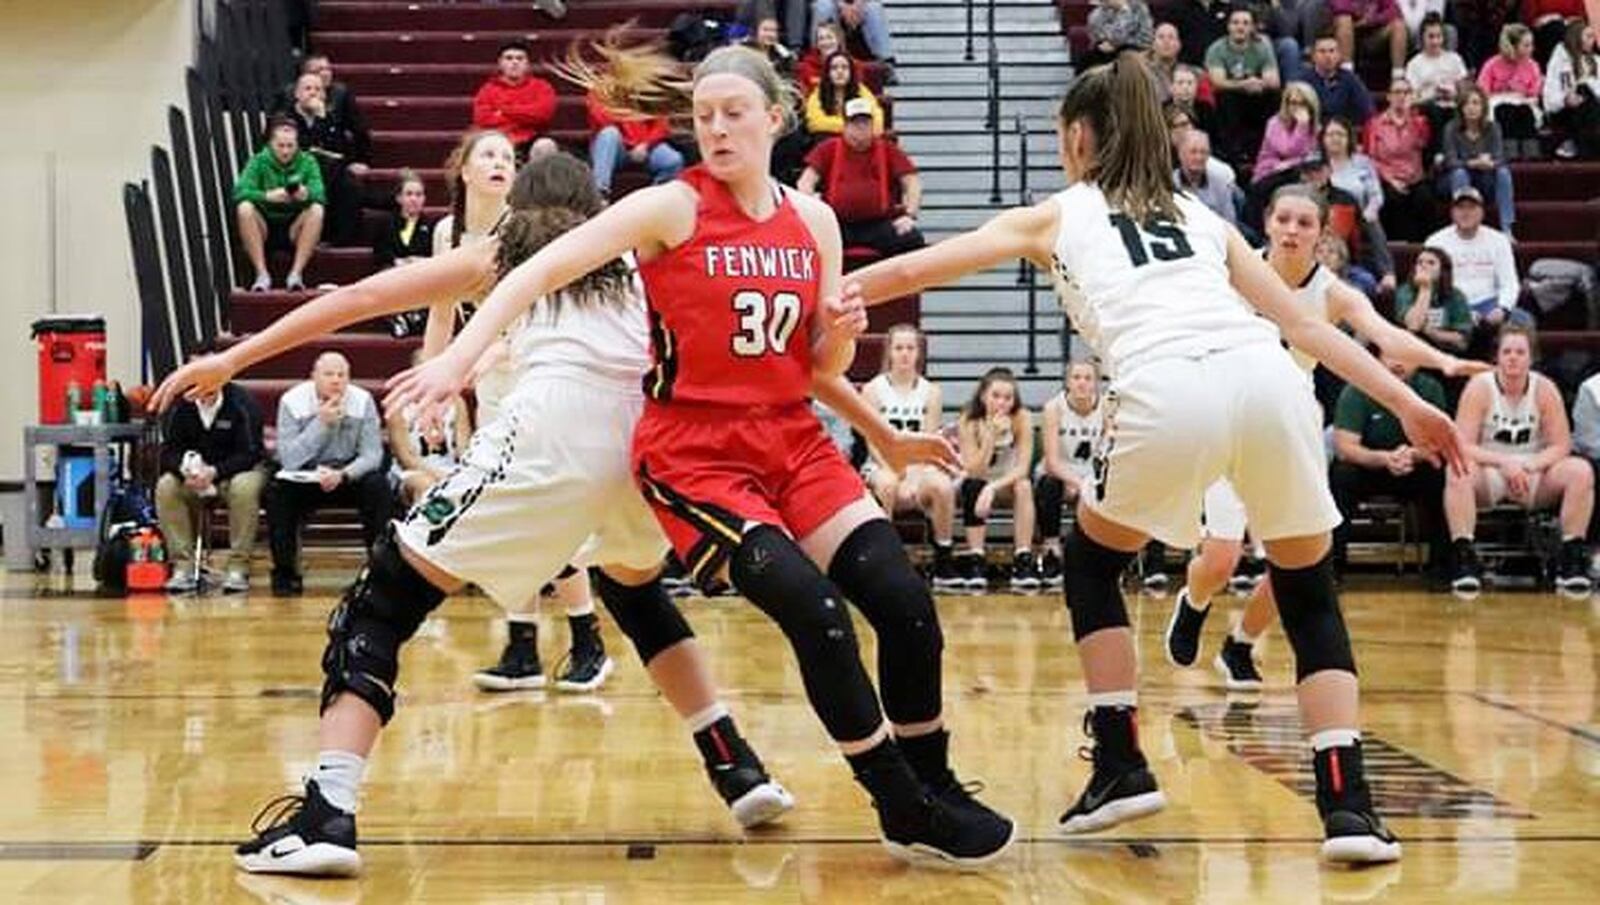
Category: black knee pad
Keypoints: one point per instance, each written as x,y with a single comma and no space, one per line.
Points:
969,490
872,569
1091,573
644,613
1308,607
770,569
378,613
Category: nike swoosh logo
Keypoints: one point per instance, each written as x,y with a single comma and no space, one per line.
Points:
276,852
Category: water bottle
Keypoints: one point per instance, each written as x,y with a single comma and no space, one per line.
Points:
74,401
136,548
101,400
158,552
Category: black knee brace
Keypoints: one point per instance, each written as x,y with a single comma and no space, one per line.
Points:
644,613
1090,574
378,613
969,490
872,569
1308,606
775,574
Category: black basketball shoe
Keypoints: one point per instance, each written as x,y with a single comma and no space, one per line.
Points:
1236,664
1352,831
946,575
972,568
587,667
1050,569
1183,631
920,828
1121,788
1024,571
519,668
738,776
1466,576
1572,567
304,835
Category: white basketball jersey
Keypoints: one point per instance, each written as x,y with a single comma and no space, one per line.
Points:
1511,428
903,409
1312,293
1005,452
1160,290
1079,435
605,340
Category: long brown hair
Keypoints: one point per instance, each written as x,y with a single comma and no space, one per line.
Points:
551,196
832,96
974,410
1132,155
1446,283
453,166
634,79
1583,63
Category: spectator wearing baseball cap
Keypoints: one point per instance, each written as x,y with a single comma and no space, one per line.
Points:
1485,267
869,182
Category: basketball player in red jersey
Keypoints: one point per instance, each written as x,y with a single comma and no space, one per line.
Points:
742,279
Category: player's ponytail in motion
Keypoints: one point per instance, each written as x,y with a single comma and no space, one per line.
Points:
551,196
634,79
1132,151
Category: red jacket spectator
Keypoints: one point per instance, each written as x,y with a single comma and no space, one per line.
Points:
860,185
1396,147
635,132
521,109
1535,10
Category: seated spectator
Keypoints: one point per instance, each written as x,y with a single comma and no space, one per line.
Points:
1430,305
1163,56
767,39
1289,25
1515,89
869,182
1434,74
211,447
642,142
408,234
1519,449
1350,169
1474,155
866,17
1395,141
425,450
911,402
1372,458
827,41
1206,178
1116,25
1185,95
1548,20
1485,266
1377,24
279,198
342,109
1416,14
1339,90
1364,240
1572,93
996,433
1199,23
1333,253
1073,422
330,444
1244,75
825,114
1291,136
322,138
516,103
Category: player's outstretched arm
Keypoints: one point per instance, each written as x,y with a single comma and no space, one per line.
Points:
1354,309
1429,429
449,276
1021,232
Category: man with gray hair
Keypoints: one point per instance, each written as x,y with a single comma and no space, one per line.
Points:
1208,179
330,444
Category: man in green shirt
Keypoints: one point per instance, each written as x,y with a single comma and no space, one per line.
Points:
280,200
1372,459
1244,74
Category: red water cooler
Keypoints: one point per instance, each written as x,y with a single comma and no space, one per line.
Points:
72,349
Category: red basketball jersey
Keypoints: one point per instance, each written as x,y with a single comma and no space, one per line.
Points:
731,309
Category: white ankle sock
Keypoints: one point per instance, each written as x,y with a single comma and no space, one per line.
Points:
1196,603
1129,698
702,719
1240,635
585,608
338,774
1335,738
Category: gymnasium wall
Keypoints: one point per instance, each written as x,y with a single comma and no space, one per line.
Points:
84,87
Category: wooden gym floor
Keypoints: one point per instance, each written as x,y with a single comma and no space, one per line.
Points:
140,737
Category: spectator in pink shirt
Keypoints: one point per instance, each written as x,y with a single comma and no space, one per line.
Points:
1291,136
1515,88
1395,141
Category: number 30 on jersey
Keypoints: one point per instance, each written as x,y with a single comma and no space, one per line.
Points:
765,325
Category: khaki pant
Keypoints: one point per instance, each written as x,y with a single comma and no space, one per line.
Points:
178,508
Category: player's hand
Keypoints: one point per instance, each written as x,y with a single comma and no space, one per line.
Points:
330,410
431,387
844,317
1519,483
201,377
1401,461
1465,367
1434,435
905,449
